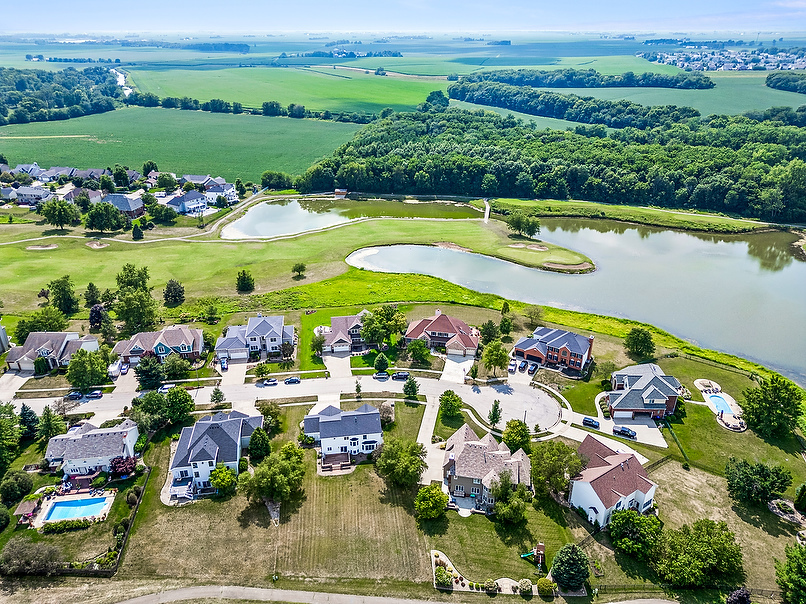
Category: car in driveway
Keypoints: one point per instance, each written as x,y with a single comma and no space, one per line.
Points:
400,375
624,431
532,368
292,380
95,394
513,366
74,395
165,388
590,422
381,375
124,368
523,365
270,382
224,364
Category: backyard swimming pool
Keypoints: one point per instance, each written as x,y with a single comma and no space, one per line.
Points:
720,403
77,508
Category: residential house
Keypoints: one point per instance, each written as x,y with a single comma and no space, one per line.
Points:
642,390
213,440
54,173
4,344
611,481
5,168
259,335
33,196
196,179
133,175
226,190
8,193
132,207
86,449
191,202
556,347
32,169
471,465
181,339
92,173
351,432
340,193
344,333
95,196
443,331
57,347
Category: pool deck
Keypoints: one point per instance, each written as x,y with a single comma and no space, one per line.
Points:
732,420
48,505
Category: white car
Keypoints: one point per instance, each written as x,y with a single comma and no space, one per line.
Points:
513,366
165,388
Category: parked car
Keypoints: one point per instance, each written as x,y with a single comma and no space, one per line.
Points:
381,375
74,395
513,366
95,394
523,365
224,364
590,422
532,368
270,382
292,380
124,368
624,431
165,388
400,375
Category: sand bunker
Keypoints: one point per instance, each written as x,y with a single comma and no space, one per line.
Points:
50,246
97,245
582,266
533,246
451,246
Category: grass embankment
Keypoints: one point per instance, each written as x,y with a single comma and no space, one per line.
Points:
660,217
237,146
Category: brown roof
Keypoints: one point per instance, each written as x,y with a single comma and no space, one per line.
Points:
26,507
612,475
37,340
483,459
340,328
461,334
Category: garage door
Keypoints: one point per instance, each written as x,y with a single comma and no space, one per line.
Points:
239,354
345,348
622,415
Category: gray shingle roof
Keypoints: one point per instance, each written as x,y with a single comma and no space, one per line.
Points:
334,423
123,203
89,442
214,438
544,337
643,384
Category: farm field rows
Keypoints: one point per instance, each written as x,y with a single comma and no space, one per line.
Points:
184,142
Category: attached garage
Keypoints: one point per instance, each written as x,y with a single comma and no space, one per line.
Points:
234,353
622,415
341,348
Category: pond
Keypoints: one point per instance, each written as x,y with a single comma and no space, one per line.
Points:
741,294
293,216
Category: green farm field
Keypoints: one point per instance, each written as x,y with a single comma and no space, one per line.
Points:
317,88
184,142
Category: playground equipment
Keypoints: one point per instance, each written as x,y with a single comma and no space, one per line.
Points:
537,555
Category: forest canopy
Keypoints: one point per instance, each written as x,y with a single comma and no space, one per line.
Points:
590,78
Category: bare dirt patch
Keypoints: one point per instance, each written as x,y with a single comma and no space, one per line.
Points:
50,246
448,245
582,266
97,245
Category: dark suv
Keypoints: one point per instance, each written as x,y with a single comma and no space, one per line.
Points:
624,431
400,375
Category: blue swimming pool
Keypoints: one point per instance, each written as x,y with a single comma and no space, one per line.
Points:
720,403
78,508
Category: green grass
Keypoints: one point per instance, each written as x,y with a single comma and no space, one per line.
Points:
582,396
236,146
687,370
674,219
317,88
446,426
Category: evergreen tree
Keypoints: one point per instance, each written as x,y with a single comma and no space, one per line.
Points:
174,293
259,444
217,396
92,295
149,372
137,232
29,423
50,425
244,282
97,315
410,388
570,567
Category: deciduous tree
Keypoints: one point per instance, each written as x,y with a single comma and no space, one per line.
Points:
639,343
516,436
418,351
50,424
46,319
86,369
756,483
635,534
791,574
104,217
24,557
494,416
430,502
136,308
178,405
259,444
63,295
298,268
223,480
553,464
495,356
175,367
401,462
59,213
317,343
131,277
774,407
278,477
450,404
533,314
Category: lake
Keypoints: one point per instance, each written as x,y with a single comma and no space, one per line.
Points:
741,294
293,216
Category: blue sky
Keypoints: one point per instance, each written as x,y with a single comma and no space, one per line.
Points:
58,16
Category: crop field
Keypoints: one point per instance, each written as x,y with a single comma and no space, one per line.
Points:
317,88
184,142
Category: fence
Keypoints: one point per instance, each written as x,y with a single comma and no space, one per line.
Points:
656,464
715,364
642,588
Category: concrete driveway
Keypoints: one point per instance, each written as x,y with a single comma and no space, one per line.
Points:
126,383
10,382
433,472
456,369
235,373
338,364
645,429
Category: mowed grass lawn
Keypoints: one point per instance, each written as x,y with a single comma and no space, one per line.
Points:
317,88
184,142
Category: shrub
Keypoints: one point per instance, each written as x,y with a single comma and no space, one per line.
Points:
141,443
442,577
243,465
122,465
108,559
4,517
740,596
137,489
546,587
490,585
131,499
15,486
99,481
23,557
62,526
525,586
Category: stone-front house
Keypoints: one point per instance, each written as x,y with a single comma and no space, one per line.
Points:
471,465
556,347
344,333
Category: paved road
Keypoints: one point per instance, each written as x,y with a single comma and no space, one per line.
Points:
229,592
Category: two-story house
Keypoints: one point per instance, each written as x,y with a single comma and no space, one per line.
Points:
181,339
260,335
556,347
611,481
642,390
443,331
130,205
226,190
471,465
350,432
33,196
56,347
86,449
191,202
344,333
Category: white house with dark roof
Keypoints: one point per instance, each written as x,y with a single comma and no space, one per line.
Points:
344,333
86,449
33,195
32,169
260,335
441,330
191,202
57,347
54,173
181,339
196,179
226,190
611,481
642,390
4,343
213,440
351,432
471,465
555,347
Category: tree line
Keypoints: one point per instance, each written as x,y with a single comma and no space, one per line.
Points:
479,153
37,95
590,78
787,80
587,110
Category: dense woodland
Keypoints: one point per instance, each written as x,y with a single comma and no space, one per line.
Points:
787,80
590,78
723,165
36,95
588,110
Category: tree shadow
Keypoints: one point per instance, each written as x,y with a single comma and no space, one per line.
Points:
503,388
553,510
255,514
514,534
298,277
761,517
398,497
435,527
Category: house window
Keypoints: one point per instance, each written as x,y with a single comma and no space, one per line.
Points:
210,463
491,500
474,490
183,473
273,340
477,481
343,450
195,465
364,437
459,488
196,474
